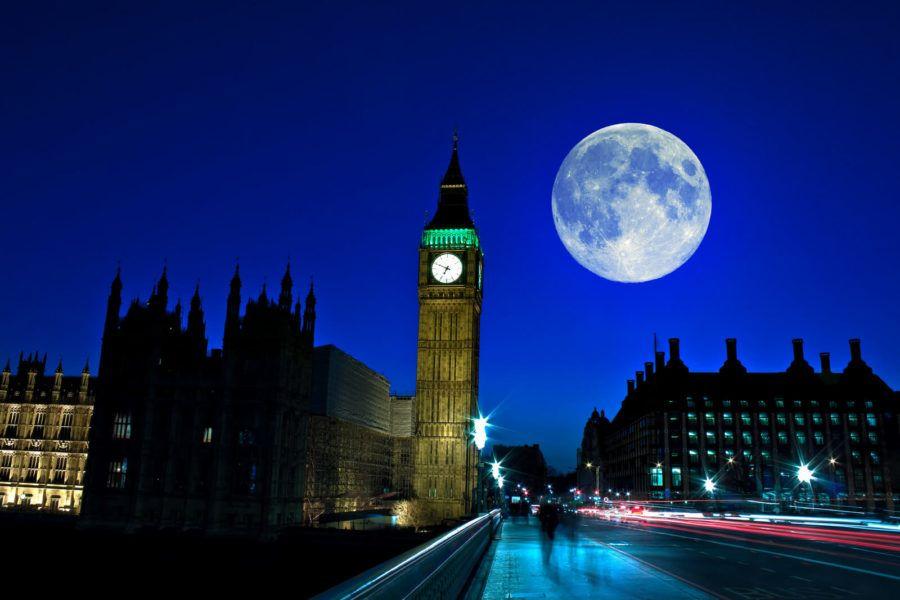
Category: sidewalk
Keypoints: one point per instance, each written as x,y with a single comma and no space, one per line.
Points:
525,564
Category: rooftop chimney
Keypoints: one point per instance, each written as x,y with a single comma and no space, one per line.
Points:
630,386
855,352
639,376
660,361
825,359
674,353
731,349
798,349
648,370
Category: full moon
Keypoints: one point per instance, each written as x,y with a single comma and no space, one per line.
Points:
631,202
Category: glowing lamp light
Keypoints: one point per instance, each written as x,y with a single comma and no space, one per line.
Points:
832,461
709,486
589,465
479,432
495,470
804,474
500,481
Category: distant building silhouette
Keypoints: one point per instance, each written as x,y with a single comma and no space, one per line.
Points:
523,465
749,433
44,421
186,439
264,433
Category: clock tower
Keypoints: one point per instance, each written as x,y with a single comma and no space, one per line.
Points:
450,278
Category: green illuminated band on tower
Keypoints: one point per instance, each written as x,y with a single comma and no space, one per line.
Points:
449,238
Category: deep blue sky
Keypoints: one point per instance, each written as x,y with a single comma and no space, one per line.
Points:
199,133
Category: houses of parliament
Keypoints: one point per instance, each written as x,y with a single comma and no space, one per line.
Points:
268,430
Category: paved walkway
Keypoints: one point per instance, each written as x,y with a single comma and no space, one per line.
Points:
525,564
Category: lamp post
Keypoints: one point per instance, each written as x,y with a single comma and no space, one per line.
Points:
805,475
479,438
596,475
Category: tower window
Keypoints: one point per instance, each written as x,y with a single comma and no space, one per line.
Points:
122,426
118,469
207,435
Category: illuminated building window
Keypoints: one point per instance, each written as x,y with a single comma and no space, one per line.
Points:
763,419
748,455
694,457
118,469
871,420
692,437
65,426
799,419
814,403
764,437
744,404
876,460
762,404
819,438
781,418
728,437
676,477
851,404
122,426
835,418
656,477
857,457
782,437
711,458
765,457
745,419
711,437
797,403
779,403
852,419
6,461
34,463
817,418
710,418
726,403
207,435
747,438
40,419
854,437
692,417
873,437
12,424
869,404
801,438
727,418
59,469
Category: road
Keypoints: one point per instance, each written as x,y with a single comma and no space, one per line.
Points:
756,561
691,558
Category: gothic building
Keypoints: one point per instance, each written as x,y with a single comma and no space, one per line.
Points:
734,434
450,292
183,438
44,421
591,453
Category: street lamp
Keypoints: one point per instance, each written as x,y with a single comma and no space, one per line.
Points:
805,474
479,438
596,474
709,485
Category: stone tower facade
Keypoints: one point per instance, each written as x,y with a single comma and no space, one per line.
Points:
450,292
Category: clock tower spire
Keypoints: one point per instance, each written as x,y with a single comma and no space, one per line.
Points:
449,283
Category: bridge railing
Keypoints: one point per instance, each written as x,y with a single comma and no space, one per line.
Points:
440,568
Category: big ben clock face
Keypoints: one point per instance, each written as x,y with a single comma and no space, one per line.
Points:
446,268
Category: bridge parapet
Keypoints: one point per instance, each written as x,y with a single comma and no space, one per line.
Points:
440,568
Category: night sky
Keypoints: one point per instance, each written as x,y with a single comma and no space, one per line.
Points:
197,134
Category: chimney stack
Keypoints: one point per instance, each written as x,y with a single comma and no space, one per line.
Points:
660,361
639,376
825,359
630,386
731,349
855,352
674,353
798,349
648,370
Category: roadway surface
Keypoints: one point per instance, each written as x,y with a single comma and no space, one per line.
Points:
647,558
